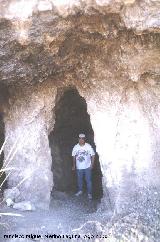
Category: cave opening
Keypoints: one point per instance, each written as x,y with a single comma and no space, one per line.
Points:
71,119
3,183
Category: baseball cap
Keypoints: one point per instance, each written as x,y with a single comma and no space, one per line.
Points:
82,136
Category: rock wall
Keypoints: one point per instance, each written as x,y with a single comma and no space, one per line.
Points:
132,12
123,105
2,175
126,143
113,60
28,122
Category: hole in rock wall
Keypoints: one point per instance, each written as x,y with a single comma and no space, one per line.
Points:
71,119
3,183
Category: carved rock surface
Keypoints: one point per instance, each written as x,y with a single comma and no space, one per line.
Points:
11,193
24,206
110,52
140,15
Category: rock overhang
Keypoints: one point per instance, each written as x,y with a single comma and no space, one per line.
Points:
43,40
132,12
112,62
45,48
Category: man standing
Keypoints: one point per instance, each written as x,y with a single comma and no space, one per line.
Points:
83,160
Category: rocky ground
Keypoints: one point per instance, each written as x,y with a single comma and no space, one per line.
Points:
67,214
70,217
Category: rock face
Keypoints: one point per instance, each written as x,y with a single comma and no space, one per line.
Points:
28,147
140,15
112,57
24,206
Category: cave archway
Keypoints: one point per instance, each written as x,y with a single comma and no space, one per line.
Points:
3,183
71,119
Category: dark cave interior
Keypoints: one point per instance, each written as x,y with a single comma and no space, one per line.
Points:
71,119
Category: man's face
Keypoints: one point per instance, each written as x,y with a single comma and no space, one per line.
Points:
81,141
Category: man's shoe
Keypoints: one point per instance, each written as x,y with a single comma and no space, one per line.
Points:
89,196
78,194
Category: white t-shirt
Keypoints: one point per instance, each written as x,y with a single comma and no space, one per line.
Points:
83,155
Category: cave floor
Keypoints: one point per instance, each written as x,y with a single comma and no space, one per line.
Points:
67,214
70,216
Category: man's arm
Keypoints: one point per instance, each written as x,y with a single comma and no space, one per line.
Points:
92,153
92,160
74,163
74,158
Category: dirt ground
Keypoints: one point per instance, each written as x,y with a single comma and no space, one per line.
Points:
67,216
78,219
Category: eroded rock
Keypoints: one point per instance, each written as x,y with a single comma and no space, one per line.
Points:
12,193
24,206
112,57
9,202
132,12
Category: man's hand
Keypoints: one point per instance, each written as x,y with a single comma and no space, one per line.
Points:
73,168
92,161
91,166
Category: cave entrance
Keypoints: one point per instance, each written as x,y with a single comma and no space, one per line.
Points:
3,183
71,119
